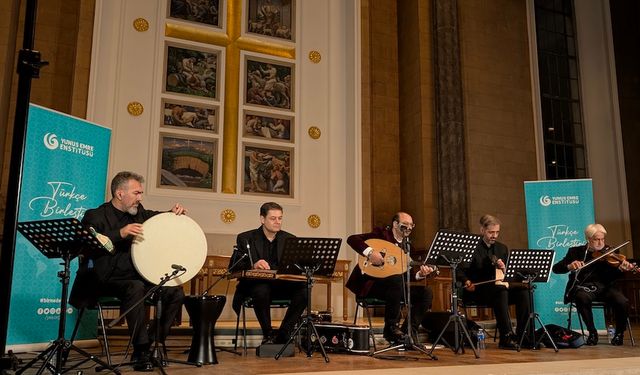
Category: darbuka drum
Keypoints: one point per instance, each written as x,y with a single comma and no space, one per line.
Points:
169,240
204,312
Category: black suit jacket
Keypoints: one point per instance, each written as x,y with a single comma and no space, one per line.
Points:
99,267
252,242
598,272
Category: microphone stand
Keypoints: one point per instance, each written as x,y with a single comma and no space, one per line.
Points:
409,343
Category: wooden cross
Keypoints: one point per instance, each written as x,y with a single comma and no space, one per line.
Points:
234,43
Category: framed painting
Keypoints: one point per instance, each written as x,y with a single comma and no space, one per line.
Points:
268,83
267,126
190,116
191,71
267,170
272,18
187,163
206,12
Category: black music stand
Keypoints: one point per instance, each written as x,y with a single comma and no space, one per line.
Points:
531,266
308,256
65,239
452,248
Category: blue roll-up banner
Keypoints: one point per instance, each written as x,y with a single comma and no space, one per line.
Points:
557,214
64,174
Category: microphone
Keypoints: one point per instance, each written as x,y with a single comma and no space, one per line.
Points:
178,267
249,253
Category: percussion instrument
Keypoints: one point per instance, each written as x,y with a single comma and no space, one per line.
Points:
168,242
204,312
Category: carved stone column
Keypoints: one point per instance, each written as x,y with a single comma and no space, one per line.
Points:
450,134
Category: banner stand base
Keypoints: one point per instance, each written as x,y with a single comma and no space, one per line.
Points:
9,362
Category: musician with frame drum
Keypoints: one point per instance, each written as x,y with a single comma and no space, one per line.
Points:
486,267
113,274
264,247
595,282
390,288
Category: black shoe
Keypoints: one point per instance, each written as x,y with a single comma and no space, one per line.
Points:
508,342
592,340
618,339
142,362
394,335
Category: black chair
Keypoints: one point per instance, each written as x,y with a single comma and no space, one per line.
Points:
103,303
475,305
248,304
596,305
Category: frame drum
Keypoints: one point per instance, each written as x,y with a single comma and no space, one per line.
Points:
167,240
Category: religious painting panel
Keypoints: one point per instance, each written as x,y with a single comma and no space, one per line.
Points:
271,18
191,71
267,126
187,162
207,12
189,116
267,170
268,83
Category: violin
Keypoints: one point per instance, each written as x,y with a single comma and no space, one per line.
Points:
612,258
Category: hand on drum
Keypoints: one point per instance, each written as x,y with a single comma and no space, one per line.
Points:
261,265
131,230
178,209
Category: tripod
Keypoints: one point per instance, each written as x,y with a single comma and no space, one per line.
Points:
158,359
409,342
459,324
307,321
62,238
531,266
454,248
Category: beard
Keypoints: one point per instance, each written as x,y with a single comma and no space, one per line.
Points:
133,210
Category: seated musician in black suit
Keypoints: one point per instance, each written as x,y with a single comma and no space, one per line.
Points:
113,274
595,283
265,246
489,256
391,288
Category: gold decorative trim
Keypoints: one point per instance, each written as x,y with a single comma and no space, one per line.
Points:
315,57
313,221
227,216
140,24
314,132
135,108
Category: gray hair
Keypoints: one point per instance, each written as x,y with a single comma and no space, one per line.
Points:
122,178
592,229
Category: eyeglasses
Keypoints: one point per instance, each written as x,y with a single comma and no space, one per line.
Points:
408,226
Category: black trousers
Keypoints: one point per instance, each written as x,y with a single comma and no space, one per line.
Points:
391,290
612,298
131,291
499,298
263,292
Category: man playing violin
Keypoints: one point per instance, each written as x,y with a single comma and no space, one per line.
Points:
595,282
489,256
114,274
391,288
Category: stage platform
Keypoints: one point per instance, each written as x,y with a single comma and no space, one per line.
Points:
601,359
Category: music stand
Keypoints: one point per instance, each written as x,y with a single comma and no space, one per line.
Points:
531,266
308,256
65,239
452,248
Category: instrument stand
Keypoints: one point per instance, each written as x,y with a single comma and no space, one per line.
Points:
307,321
158,359
61,238
409,343
311,256
454,248
531,266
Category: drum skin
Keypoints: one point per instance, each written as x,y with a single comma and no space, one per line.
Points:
169,240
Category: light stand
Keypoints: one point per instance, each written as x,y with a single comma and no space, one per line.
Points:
29,64
531,266
454,248
409,343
